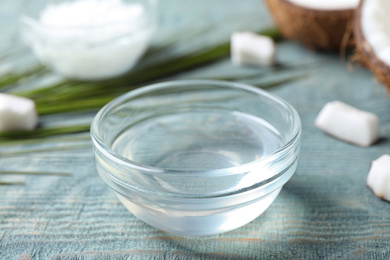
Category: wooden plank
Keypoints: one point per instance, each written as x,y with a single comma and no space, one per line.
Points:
324,212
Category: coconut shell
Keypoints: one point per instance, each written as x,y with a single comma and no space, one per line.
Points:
316,29
366,55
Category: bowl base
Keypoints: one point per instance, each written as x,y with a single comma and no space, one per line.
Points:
200,222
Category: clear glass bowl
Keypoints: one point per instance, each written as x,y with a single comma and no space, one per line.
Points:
92,50
196,157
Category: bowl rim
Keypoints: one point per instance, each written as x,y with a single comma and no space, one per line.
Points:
290,143
145,20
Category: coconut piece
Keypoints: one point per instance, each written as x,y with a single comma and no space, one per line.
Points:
322,25
378,179
348,123
252,49
327,5
373,38
17,113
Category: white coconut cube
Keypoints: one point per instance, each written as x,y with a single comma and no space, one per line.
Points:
17,113
378,179
248,48
348,123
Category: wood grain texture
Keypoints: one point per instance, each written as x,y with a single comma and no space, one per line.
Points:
324,212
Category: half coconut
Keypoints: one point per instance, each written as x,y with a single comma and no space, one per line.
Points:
322,25
372,33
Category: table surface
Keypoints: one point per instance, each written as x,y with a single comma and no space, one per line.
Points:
324,211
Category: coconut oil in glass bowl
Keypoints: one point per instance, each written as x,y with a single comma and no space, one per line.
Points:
196,157
89,39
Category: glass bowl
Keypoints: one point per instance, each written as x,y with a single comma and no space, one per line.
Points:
196,157
78,46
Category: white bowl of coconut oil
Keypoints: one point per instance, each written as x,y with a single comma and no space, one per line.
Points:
89,39
196,157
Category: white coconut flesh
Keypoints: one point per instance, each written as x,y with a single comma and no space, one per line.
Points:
327,5
17,113
375,20
349,123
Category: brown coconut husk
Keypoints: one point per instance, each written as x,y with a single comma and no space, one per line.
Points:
366,55
316,29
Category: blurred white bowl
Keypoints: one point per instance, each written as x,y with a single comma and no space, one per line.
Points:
89,50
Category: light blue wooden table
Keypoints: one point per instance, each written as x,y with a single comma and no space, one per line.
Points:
324,212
